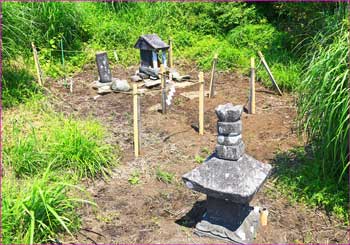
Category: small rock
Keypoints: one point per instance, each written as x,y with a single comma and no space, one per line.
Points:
230,128
152,83
104,90
143,75
228,112
155,107
149,71
233,152
97,84
136,78
120,85
229,140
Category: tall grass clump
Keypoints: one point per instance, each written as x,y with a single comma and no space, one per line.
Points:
33,140
35,210
323,102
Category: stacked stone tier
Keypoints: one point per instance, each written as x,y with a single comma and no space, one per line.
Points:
230,144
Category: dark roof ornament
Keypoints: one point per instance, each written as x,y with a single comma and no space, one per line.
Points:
151,42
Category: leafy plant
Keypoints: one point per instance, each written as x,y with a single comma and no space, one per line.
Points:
134,178
199,159
164,176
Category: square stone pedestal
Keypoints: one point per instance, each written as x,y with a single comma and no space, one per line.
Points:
229,221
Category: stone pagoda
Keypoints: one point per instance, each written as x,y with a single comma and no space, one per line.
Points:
230,178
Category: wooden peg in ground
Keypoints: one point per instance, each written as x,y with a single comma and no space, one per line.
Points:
269,72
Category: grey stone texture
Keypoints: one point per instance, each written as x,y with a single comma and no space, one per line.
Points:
229,221
103,67
229,112
120,85
236,181
229,140
229,128
230,152
136,78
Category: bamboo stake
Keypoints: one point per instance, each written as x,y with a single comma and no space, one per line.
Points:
263,216
171,53
251,108
163,86
212,88
136,122
201,103
269,72
37,65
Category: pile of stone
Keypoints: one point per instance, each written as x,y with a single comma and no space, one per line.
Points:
230,178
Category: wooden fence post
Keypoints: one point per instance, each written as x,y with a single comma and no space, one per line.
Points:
251,108
269,72
37,65
212,88
201,103
136,121
170,53
163,86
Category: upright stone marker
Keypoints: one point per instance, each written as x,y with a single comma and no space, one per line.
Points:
230,179
103,68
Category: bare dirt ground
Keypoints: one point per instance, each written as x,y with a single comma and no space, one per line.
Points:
155,212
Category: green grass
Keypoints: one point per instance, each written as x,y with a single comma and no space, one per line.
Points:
36,139
35,210
323,102
299,176
18,86
45,155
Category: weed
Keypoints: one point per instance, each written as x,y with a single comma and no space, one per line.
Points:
35,210
164,176
134,178
199,159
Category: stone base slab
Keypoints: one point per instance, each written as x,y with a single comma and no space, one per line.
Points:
228,221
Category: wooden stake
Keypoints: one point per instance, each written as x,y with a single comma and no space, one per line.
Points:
37,65
212,88
171,53
263,216
136,122
251,108
201,103
269,72
163,86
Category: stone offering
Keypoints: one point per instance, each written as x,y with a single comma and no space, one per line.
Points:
230,179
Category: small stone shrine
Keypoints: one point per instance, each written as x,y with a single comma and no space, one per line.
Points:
230,178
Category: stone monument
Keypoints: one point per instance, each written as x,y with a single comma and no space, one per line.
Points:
230,178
